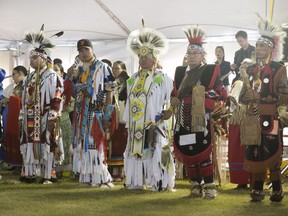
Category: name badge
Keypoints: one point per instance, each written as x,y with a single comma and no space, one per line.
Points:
187,139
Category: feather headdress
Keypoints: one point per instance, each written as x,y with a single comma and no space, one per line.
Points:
146,40
273,35
195,36
42,45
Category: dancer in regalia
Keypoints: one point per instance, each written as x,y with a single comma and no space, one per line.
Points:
196,89
147,158
265,91
41,107
92,113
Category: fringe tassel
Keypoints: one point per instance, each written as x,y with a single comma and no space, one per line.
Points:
237,115
198,123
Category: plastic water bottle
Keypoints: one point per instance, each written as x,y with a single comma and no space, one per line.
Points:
77,63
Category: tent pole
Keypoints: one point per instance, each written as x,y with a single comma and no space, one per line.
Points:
113,16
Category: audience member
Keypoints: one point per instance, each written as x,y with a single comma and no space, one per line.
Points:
245,51
59,64
224,66
109,63
65,120
2,77
119,136
13,105
58,68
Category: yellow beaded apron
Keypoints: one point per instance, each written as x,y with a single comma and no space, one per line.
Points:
138,106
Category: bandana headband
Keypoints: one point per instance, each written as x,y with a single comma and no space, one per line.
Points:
196,47
266,40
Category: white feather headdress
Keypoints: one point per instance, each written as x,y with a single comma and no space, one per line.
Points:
142,41
273,35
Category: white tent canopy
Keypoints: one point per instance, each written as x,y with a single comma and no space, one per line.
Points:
108,22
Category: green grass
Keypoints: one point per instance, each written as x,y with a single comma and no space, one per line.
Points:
68,197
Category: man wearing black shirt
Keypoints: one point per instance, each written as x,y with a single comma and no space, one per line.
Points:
245,51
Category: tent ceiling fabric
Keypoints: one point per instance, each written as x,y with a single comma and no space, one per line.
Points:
86,19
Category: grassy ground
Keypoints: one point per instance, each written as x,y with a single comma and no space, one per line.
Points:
68,197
